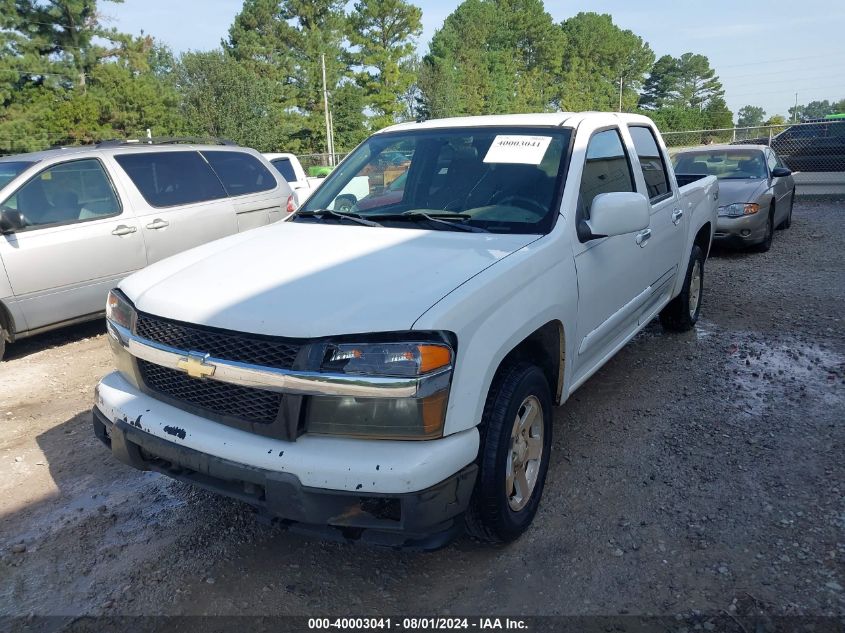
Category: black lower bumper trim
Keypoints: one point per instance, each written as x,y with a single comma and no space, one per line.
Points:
424,520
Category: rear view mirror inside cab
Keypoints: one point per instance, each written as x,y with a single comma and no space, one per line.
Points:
618,213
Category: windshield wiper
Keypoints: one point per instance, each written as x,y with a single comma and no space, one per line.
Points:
320,213
452,220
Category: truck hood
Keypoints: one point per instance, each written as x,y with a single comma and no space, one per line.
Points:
741,190
308,280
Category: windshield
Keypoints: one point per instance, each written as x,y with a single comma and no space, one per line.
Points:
499,179
9,170
724,164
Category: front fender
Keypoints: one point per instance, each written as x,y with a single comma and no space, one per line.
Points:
495,311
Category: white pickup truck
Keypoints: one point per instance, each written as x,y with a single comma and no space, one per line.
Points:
388,373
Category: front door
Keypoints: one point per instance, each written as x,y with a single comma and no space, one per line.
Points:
613,272
77,243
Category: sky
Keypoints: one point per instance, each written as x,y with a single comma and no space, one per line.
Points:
763,51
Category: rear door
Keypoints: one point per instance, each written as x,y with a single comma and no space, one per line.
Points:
613,272
668,224
179,200
80,239
257,197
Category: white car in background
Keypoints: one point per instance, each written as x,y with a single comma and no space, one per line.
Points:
303,185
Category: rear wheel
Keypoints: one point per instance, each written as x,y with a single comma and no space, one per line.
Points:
766,244
2,342
682,312
516,439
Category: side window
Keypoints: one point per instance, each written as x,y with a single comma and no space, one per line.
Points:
167,179
606,169
65,193
771,160
239,172
651,161
285,169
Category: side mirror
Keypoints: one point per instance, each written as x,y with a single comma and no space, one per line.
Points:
10,221
781,172
618,213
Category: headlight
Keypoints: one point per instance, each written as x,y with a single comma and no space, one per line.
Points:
739,209
387,359
427,364
119,310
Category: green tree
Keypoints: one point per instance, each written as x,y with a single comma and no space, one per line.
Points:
596,55
813,110
687,81
492,56
383,31
223,98
750,116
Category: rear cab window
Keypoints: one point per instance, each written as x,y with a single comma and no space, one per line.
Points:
652,163
240,173
167,179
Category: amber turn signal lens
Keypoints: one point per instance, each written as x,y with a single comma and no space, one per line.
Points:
433,357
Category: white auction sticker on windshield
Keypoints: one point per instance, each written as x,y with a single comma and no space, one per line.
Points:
525,150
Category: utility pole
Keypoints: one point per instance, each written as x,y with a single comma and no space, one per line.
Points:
795,111
620,94
329,144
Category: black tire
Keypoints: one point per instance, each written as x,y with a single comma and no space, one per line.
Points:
678,315
2,342
766,244
788,221
490,517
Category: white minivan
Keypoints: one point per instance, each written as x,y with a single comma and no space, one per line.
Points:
75,221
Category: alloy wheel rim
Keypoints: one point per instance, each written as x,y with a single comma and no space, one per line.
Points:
525,453
695,289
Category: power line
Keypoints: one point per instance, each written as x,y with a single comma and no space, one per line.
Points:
774,61
776,72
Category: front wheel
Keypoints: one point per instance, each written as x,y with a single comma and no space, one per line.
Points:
516,440
681,313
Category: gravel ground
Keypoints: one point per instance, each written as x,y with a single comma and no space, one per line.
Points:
695,473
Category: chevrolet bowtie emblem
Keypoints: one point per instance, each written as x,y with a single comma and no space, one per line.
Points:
195,366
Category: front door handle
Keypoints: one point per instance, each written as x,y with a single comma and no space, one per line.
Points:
643,237
122,229
677,214
158,223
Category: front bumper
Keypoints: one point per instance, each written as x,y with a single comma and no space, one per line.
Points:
744,230
393,493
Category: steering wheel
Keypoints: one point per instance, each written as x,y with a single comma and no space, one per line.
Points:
527,203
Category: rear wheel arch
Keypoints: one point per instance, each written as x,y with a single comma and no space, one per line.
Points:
703,238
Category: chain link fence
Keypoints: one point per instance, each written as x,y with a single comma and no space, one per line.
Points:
814,150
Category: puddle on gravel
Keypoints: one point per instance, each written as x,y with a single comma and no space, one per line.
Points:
766,372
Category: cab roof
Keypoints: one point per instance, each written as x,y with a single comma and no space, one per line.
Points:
539,119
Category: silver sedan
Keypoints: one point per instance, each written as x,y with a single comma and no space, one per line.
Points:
756,190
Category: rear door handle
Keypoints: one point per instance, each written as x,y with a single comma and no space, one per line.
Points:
677,214
643,237
122,229
158,223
